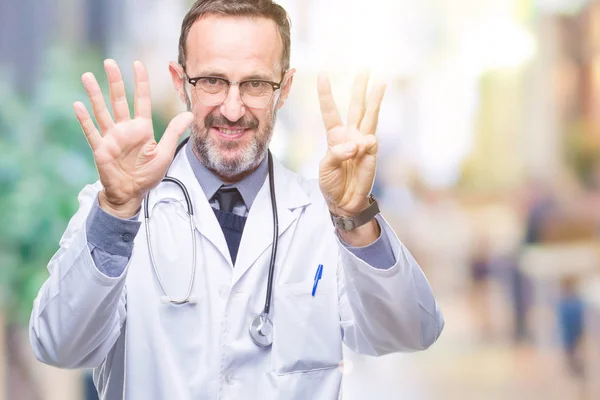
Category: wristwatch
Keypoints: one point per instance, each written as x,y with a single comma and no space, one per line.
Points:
353,222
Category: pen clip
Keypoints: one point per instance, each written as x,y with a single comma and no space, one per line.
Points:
319,272
318,275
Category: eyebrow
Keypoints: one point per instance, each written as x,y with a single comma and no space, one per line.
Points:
217,74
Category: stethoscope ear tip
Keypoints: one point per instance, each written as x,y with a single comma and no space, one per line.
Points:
165,299
192,300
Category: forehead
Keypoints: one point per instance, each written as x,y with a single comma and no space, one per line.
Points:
235,46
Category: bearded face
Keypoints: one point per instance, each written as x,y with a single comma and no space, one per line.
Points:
232,148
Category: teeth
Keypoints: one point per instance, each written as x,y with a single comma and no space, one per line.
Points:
231,131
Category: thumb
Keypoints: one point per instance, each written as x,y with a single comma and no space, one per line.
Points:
175,129
339,153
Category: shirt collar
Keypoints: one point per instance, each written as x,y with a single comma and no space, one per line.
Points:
210,183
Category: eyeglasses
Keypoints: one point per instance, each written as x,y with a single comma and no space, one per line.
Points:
212,91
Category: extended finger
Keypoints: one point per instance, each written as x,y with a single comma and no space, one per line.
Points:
95,95
87,125
175,129
329,111
141,98
356,111
118,97
369,122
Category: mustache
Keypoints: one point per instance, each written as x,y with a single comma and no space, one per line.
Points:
246,122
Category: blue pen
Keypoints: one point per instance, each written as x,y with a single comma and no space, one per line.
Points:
318,276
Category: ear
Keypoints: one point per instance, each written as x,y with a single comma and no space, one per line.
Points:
177,75
287,86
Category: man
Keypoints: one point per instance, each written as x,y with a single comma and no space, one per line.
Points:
115,299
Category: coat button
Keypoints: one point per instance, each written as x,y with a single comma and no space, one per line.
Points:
229,378
127,237
224,292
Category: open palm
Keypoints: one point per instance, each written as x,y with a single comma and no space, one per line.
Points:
347,171
129,160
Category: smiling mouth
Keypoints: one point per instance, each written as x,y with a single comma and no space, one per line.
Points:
230,133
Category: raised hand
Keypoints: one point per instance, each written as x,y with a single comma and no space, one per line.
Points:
347,172
129,160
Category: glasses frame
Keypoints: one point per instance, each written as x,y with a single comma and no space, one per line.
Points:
275,85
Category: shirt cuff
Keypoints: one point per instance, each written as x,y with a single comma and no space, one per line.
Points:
378,254
111,234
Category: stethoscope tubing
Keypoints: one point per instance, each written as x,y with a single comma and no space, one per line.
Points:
190,211
275,237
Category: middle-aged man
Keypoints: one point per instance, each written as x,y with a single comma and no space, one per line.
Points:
184,309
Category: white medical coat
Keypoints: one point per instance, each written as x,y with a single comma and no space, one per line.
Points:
142,349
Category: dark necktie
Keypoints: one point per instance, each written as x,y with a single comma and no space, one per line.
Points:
227,198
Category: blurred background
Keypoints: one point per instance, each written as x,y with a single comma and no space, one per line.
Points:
489,170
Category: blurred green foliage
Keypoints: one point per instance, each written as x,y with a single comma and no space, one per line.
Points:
44,162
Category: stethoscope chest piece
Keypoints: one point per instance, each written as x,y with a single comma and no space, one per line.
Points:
261,330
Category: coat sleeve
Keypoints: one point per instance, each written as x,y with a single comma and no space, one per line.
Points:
386,310
78,313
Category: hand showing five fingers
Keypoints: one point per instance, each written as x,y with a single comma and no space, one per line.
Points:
129,161
347,171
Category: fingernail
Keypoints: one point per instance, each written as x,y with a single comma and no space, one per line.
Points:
77,107
87,77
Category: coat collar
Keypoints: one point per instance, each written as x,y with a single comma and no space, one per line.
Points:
258,232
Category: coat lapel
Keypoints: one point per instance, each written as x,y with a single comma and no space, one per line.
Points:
258,232
204,217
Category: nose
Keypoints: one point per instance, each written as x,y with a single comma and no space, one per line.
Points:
233,108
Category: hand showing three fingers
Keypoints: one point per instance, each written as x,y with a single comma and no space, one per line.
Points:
347,171
129,160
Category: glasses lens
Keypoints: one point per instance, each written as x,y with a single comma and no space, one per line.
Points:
211,91
256,94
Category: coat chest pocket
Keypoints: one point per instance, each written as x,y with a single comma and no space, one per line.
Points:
306,330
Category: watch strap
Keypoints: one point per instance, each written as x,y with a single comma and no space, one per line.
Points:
353,222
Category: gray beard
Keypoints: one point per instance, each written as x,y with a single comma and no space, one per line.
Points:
207,149
209,154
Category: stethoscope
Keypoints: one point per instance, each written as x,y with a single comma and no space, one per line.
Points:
261,327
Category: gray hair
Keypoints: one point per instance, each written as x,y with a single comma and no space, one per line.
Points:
238,8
